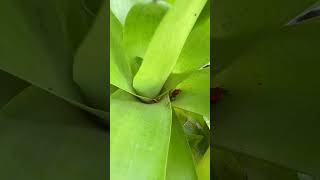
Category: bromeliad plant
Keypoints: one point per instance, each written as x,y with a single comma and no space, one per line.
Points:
160,100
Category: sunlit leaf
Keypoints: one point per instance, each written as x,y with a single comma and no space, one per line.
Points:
196,51
120,72
195,93
180,162
203,168
120,8
140,137
140,25
166,46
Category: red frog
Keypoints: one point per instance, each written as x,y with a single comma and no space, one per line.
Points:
217,94
174,93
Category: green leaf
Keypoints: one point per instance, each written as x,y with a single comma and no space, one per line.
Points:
140,137
43,137
166,46
91,63
173,80
234,19
261,170
239,25
274,95
180,164
195,93
171,1
76,17
203,168
226,166
196,131
196,51
112,89
40,55
120,72
140,25
11,87
120,8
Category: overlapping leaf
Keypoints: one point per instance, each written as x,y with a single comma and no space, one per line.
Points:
203,168
238,25
165,47
120,8
146,125
140,25
180,163
273,96
120,71
195,94
44,137
140,137
41,54
196,51
12,87
90,69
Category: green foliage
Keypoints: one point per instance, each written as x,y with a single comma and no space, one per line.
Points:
151,57
52,127
270,71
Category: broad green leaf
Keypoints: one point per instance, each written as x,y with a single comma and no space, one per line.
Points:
173,80
91,63
113,89
226,50
165,47
195,93
274,95
43,137
247,17
120,8
40,55
261,170
180,165
120,72
196,51
144,18
203,168
140,137
171,1
11,86
196,130
226,166
140,25
239,25
120,67
76,17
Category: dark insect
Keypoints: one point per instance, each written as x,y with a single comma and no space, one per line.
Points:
217,94
174,93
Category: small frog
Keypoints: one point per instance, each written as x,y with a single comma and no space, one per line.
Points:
174,93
